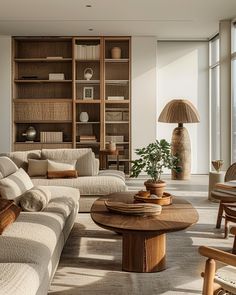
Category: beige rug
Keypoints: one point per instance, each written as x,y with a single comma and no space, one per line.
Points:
91,260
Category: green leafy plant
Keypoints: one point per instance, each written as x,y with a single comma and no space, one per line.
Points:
153,159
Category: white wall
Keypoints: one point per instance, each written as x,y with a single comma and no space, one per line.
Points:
182,72
144,80
5,94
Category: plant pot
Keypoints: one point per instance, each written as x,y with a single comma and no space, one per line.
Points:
156,188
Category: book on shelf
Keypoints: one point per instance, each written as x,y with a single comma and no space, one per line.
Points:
87,52
54,57
87,138
51,136
115,98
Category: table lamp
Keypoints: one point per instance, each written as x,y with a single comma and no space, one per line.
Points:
180,111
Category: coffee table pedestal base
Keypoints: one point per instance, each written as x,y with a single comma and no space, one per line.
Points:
143,253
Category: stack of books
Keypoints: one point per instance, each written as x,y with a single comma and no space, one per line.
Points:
87,52
87,138
115,97
228,187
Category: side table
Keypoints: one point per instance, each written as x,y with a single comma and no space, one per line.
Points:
214,177
103,157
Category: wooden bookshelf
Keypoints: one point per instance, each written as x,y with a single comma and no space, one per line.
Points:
56,105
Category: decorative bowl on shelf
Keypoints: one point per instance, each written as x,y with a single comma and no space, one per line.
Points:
165,200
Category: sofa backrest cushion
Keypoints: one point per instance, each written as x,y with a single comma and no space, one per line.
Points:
7,167
21,158
85,159
14,185
37,167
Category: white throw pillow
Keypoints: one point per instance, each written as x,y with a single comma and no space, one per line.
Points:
35,199
14,185
60,166
37,167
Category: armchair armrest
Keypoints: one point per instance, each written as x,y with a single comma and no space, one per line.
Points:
224,257
209,286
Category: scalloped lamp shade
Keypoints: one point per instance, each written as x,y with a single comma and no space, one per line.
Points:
180,111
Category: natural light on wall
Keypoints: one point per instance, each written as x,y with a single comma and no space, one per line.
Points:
233,115
182,72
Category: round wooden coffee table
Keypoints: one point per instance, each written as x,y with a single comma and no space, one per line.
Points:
144,238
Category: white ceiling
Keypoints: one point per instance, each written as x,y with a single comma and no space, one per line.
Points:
165,19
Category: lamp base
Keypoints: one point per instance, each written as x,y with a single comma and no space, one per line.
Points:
181,147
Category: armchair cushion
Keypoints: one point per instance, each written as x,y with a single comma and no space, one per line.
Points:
226,277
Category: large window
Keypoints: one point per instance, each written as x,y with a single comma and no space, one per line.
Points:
215,98
233,115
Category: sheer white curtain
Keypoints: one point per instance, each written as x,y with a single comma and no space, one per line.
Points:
214,69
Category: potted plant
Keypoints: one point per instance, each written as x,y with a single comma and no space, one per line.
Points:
153,159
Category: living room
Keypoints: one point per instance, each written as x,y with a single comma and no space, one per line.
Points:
86,85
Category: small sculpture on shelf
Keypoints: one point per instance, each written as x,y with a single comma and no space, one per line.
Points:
217,164
88,74
30,133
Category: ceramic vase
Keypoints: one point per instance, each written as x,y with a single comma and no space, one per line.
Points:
116,53
84,117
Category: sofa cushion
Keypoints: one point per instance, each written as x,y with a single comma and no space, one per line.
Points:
21,158
14,185
35,199
61,166
85,159
19,278
92,185
9,211
37,167
63,174
7,167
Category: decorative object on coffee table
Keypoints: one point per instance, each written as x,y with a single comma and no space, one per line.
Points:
153,159
144,239
180,111
133,209
165,200
30,133
217,164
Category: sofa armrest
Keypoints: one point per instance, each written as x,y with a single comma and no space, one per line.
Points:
95,166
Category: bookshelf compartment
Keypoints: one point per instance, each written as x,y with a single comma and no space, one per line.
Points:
43,47
66,128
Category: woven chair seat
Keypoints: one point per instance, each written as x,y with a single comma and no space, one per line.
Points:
226,277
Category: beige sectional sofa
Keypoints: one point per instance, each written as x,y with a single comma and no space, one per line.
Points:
91,182
30,248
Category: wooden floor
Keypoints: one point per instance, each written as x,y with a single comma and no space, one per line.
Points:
91,260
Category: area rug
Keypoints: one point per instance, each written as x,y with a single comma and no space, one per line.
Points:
91,260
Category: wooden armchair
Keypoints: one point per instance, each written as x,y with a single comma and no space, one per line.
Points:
223,197
224,279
